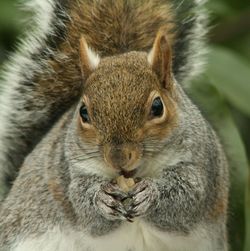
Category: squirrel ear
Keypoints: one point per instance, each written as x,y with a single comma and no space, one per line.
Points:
160,58
89,60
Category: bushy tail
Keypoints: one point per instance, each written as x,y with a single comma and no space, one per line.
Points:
26,106
189,48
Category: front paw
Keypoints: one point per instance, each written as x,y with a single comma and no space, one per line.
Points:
144,196
108,201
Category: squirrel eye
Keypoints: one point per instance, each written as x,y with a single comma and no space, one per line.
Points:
84,114
157,108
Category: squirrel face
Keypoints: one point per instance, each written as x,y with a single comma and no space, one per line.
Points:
128,105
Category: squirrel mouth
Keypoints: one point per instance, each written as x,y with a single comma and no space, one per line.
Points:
128,174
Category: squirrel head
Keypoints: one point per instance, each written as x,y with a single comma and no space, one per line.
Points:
128,104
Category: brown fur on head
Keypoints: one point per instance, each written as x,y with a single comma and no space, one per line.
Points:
118,95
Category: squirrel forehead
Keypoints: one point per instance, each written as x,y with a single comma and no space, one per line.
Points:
118,92
120,85
129,74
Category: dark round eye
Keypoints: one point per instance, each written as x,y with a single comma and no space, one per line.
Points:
84,114
157,108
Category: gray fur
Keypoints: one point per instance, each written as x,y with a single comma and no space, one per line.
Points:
64,180
187,191
21,89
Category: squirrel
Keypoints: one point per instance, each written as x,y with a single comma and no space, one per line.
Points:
93,98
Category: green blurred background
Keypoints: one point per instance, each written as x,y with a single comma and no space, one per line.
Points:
222,93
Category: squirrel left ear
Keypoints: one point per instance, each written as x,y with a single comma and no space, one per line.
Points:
89,60
160,58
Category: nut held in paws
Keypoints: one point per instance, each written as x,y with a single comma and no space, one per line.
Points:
124,183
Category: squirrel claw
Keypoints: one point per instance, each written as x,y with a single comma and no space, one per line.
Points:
129,218
115,191
142,198
109,206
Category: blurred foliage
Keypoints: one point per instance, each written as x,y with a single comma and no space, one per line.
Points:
222,93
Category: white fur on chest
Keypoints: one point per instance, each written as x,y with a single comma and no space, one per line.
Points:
136,236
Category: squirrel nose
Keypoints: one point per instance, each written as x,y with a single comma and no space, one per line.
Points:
122,157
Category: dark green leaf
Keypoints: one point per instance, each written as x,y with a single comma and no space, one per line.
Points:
216,111
231,75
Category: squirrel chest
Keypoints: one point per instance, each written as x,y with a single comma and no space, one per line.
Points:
136,236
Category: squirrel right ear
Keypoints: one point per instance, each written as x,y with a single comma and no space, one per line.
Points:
160,58
89,60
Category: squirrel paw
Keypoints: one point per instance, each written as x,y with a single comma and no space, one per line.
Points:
144,195
108,201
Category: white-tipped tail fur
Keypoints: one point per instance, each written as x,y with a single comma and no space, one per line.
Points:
19,68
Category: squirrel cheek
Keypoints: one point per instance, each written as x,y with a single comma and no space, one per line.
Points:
87,132
162,129
163,126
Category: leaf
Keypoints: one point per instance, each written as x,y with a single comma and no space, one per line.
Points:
217,112
220,8
9,15
230,74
